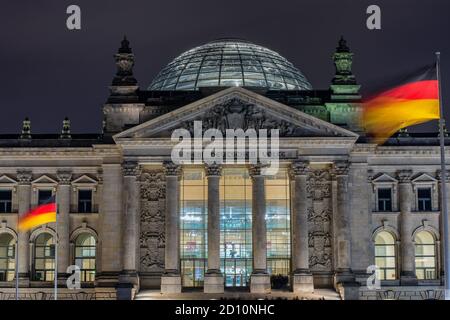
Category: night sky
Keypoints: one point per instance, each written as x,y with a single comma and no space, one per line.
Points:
49,72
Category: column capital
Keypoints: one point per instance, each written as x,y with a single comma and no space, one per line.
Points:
447,175
213,169
64,176
130,168
171,169
404,176
255,170
299,168
24,176
341,168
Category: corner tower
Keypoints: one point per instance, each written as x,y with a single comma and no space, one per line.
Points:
344,107
122,109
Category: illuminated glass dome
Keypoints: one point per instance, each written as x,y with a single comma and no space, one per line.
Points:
230,62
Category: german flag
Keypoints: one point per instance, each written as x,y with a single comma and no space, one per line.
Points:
411,101
42,214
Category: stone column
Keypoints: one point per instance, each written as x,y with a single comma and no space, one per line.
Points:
302,277
63,198
214,282
110,223
406,198
24,199
131,207
171,279
343,224
260,278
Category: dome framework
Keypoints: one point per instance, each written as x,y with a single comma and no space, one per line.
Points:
230,62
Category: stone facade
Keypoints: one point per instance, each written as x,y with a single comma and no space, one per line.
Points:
334,178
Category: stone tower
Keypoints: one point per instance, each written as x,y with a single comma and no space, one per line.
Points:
122,109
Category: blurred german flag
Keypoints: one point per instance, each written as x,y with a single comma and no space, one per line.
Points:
410,101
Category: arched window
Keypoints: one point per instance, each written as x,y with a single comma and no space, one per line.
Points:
44,258
85,250
385,255
7,257
425,255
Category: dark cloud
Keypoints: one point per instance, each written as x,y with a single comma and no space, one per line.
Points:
49,72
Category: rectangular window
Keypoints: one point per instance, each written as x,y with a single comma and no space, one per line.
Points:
384,199
84,201
5,201
424,199
44,196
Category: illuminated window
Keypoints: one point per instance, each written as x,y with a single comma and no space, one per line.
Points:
384,199
278,223
385,256
44,258
193,226
7,257
424,199
236,226
85,249
425,255
5,201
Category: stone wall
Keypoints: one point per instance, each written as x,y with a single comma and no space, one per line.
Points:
63,294
403,293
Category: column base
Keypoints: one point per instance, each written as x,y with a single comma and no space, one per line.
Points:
303,282
343,276
213,283
24,280
408,278
260,283
107,279
171,283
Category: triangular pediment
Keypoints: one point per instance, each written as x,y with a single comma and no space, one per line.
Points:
44,179
5,180
237,108
424,178
84,180
384,178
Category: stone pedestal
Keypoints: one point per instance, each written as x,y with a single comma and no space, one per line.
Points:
303,282
214,283
260,283
171,283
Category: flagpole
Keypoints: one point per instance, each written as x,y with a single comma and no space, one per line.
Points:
444,213
56,249
17,262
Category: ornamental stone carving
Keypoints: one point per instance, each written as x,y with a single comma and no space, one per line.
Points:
152,239
130,168
319,186
341,168
404,176
238,114
64,176
213,169
24,176
171,169
299,168
320,220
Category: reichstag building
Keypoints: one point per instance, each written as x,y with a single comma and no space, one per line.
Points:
134,221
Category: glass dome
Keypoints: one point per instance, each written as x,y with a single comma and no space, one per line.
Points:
227,63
